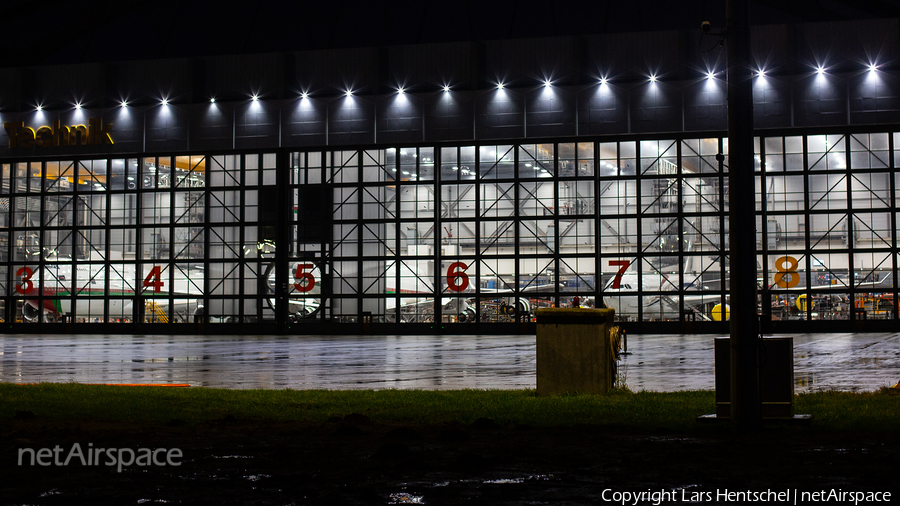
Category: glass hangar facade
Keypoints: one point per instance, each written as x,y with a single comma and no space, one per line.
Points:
455,211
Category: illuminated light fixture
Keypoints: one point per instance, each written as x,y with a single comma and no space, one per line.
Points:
165,101
40,108
873,67
254,98
761,73
78,105
499,86
212,100
652,78
446,88
710,75
820,70
124,103
304,95
603,80
349,93
547,84
400,91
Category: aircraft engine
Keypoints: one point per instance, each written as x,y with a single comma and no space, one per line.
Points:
30,312
466,316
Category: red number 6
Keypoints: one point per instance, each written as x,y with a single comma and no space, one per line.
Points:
453,275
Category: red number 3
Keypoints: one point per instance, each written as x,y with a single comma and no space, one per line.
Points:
27,285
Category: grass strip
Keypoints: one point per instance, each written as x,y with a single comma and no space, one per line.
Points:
839,411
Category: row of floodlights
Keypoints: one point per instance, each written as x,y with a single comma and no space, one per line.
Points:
500,85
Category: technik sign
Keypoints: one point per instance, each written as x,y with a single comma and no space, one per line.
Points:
94,134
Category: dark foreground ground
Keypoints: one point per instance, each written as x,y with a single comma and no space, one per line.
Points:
351,460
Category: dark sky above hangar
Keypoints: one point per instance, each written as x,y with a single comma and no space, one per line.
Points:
61,31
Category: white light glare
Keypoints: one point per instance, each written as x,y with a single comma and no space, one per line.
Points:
124,103
820,70
761,73
304,95
254,98
40,108
212,100
446,88
400,91
547,84
873,67
349,93
710,74
499,86
78,106
165,101
652,78
603,80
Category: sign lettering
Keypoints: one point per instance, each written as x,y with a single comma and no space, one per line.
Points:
94,134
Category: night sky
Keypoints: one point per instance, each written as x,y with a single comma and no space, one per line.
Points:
84,32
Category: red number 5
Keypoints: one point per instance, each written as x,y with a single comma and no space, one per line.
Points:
307,280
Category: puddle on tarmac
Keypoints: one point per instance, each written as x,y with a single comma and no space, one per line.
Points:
405,498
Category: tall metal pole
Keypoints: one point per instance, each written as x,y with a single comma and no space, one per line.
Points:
745,401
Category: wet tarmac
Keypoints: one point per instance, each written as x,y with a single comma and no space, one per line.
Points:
848,362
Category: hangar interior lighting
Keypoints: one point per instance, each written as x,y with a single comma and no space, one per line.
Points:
40,108
710,74
349,93
304,95
547,84
446,88
820,70
761,73
603,80
873,67
652,78
254,98
400,91
165,101
124,103
499,86
212,100
78,106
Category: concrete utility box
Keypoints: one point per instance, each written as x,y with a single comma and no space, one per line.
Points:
776,377
574,351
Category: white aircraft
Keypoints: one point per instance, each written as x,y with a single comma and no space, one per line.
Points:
621,294
59,285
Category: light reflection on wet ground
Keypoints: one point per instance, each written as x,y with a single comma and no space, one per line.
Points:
852,362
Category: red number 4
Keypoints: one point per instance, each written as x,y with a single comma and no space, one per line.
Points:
152,279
